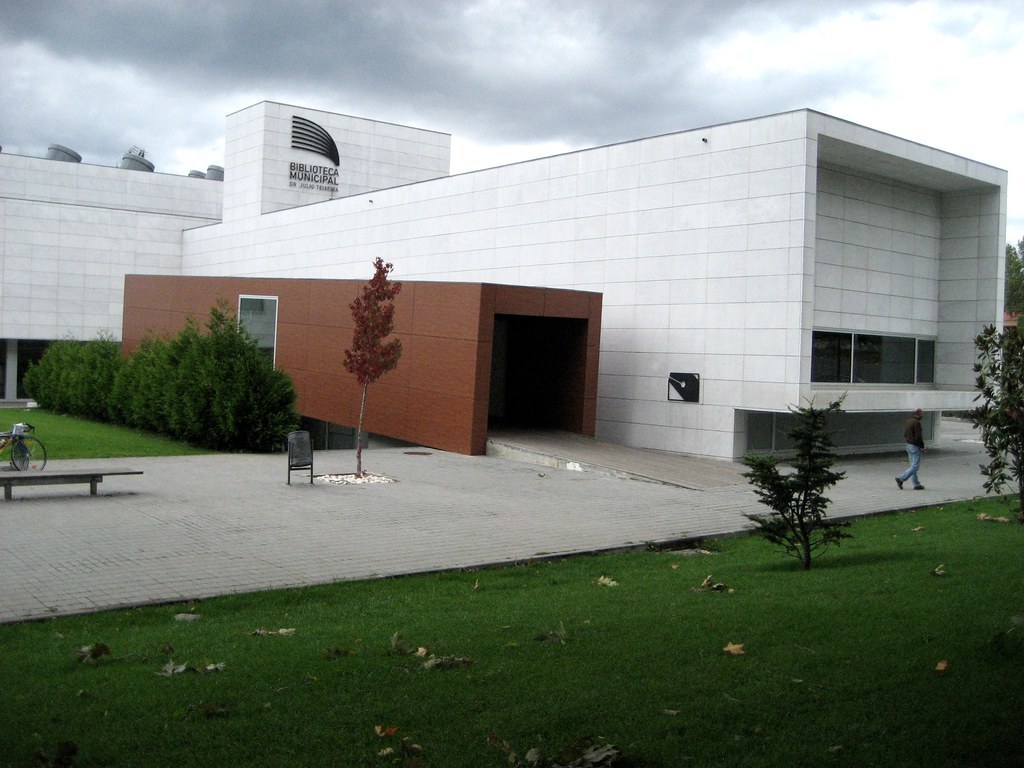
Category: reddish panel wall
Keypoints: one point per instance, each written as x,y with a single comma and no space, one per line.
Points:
437,396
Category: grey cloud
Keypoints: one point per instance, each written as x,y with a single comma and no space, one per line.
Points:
582,73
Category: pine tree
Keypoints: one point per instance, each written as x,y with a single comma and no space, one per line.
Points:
370,357
797,521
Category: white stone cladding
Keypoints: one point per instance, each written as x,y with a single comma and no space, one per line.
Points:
71,232
372,155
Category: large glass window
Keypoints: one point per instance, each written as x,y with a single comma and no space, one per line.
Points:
865,358
258,315
831,357
883,359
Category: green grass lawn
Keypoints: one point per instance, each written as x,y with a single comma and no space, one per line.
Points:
68,437
841,665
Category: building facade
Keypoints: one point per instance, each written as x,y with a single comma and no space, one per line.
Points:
744,268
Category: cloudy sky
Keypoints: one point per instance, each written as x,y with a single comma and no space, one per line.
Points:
509,79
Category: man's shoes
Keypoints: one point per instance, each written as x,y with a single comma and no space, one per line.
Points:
899,483
918,487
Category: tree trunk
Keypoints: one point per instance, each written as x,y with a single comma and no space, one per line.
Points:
359,433
805,554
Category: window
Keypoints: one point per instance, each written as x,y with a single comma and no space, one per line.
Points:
258,316
864,358
925,361
831,357
883,359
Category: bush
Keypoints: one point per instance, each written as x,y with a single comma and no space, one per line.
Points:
224,392
140,396
77,377
214,389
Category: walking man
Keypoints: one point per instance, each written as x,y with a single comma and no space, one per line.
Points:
915,445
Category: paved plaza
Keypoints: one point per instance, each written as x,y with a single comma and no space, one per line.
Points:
199,526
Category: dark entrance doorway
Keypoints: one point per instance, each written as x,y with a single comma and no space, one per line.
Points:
538,372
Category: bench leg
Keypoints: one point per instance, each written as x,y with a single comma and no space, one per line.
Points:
7,492
92,486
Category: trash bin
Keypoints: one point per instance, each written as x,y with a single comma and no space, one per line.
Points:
300,454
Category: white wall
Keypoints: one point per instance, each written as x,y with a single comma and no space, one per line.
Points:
70,233
877,256
373,155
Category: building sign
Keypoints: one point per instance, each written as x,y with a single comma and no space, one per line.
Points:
309,136
684,387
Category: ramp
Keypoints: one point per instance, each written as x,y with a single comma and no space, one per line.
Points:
566,450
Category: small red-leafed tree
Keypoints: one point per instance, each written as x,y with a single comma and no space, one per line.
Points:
370,357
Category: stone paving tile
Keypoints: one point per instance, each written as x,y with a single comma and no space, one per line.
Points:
194,527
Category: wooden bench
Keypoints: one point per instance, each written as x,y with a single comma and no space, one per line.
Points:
60,477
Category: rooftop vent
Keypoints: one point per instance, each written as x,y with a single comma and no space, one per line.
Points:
215,173
62,153
135,160
196,175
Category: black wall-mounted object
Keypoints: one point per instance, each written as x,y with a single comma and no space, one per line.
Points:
684,387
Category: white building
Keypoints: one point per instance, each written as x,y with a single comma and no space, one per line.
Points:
745,268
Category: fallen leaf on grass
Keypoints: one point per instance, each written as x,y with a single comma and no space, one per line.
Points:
93,652
990,519
446,662
381,731
919,528
186,617
170,668
942,666
939,570
604,581
670,712
710,585
736,649
597,755
272,632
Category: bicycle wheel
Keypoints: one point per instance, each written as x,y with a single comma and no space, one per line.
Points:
28,453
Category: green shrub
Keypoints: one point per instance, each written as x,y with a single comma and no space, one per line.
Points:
76,377
43,379
216,389
140,391
213,389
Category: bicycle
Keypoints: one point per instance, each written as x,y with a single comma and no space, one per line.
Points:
26,450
